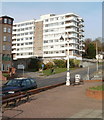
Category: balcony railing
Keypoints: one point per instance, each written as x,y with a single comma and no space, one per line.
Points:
6,58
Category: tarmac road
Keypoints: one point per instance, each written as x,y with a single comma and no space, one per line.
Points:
61,77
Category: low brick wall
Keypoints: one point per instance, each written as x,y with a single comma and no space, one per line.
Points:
2,77
99,95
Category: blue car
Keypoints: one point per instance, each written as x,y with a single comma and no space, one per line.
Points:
18,84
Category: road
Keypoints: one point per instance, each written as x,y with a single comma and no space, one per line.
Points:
59,78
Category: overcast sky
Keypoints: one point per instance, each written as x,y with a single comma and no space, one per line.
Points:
91,12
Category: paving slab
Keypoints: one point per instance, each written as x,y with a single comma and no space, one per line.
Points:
60,102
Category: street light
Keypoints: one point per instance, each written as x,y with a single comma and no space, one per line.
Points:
97,56
68,65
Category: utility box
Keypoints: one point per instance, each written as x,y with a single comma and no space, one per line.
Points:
77,78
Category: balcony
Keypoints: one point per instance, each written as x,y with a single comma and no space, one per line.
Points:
71,18
81,35
70,24
82,44
72,42
6,58
71,30
81,30
81,25
14,51
14,46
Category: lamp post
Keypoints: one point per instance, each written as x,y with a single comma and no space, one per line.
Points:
97,57
68,66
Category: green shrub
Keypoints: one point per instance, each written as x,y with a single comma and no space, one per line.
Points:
71,62
5,74
34,64
60,63
76,63
49,65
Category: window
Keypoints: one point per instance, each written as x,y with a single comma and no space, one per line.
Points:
28,82
51,19
9,38
4,47
46,30
5,38
45,41
8,48
22,33
46,25
31,32
61,45
30,53
5,20
30,43
18,44
22,24
18,39
9,30
26,33
5,29
9,21
50,41
26,43
22,29
56,18
46,20
22,43
30,28
24,83
18,34
51,46
26,28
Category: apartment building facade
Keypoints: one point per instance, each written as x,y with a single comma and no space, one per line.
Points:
23,39
52,36
58,32
6,24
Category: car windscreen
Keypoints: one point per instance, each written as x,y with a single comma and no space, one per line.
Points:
13,82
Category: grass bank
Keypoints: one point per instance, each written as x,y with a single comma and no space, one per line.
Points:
99,88
55,71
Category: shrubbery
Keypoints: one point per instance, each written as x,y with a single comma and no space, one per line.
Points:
60,63
49,65
34,64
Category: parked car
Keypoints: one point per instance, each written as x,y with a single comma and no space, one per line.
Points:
18,84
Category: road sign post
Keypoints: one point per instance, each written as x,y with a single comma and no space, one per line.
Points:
42,67
21,66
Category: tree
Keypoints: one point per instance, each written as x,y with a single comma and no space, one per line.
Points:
98,41
34,64
91,51
87,43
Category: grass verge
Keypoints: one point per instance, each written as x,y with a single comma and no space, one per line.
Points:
99,88
56,70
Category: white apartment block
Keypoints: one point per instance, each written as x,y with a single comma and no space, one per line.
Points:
58,30
23,39
49,37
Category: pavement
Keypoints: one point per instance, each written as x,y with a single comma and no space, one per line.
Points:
60,102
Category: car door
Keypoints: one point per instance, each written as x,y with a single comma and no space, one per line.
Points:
29,85
24,85
33,82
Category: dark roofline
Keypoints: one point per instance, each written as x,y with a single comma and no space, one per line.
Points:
7,17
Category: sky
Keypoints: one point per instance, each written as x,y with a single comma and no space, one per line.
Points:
91,12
